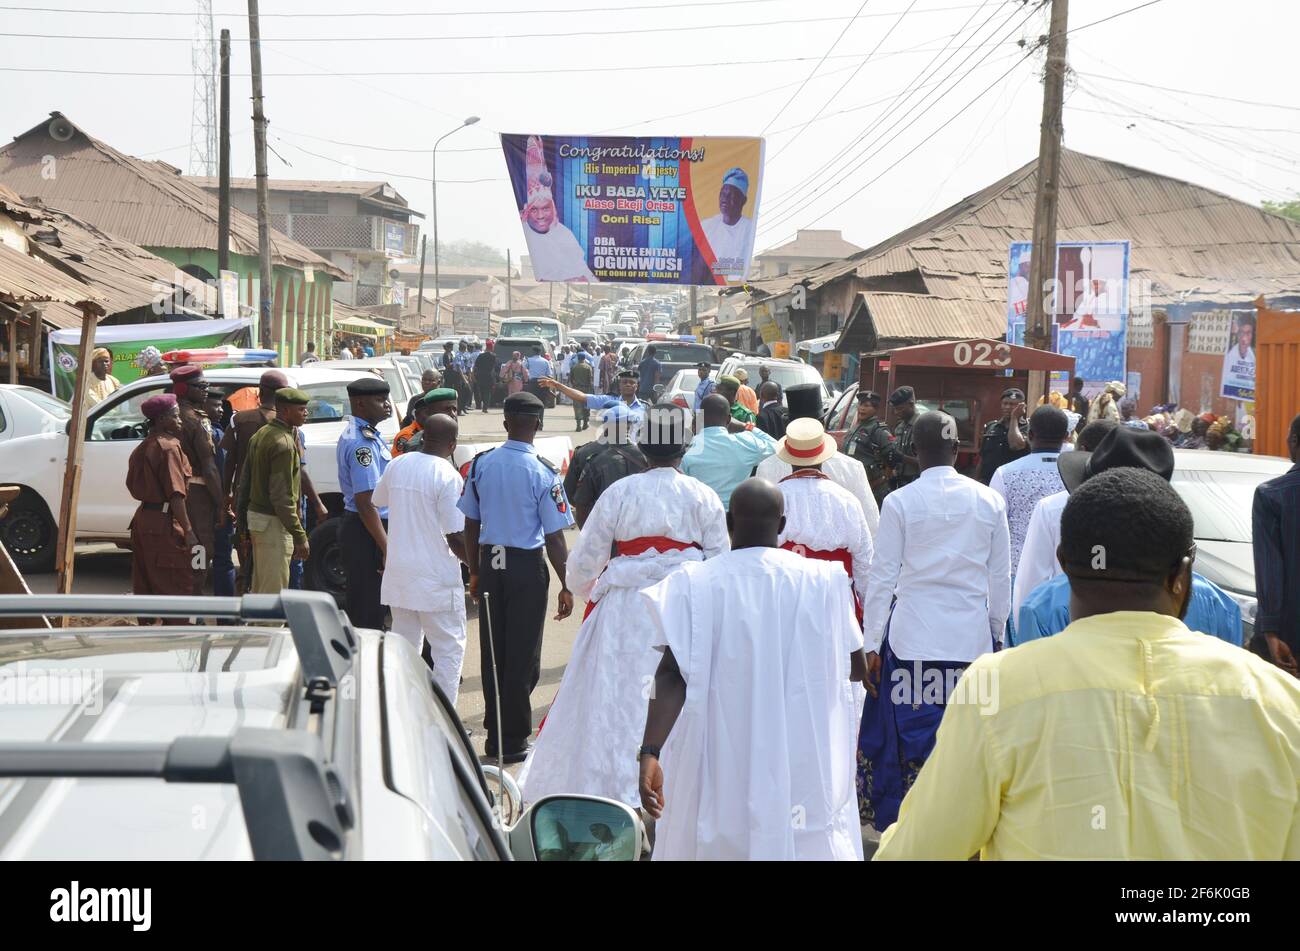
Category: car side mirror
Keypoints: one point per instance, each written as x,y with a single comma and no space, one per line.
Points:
578,829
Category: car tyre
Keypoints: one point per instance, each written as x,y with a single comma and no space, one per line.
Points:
30,533
325,569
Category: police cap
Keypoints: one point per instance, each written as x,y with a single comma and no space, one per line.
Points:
368,385
1013,393
523,404
438,395
904,394
869,396
291,395
629,374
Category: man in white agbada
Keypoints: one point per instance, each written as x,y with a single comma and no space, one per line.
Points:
822,520
730,234
555,253
805,402
422,583
753,705
656,520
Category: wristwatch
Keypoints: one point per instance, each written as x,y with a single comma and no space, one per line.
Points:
647,750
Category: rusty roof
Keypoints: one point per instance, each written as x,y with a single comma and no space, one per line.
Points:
370,191
146,203
124,277
31,279
1188,242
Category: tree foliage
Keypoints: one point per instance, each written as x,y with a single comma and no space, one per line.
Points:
1287,209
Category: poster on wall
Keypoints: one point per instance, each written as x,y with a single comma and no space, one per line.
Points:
125,341
655,210
1238,379
1089,305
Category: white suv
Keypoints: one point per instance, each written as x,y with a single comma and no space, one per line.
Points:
311,740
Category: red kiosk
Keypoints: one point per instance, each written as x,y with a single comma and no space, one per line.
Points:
964,378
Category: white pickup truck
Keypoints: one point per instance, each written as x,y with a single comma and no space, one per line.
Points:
114,428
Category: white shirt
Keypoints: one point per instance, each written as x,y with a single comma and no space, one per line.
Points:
1038,557
731,244
420,492
761,762
556,255
1023,483
944,551
824,517
345,354
845,472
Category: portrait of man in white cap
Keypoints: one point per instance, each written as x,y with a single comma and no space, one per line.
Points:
556,253
730,234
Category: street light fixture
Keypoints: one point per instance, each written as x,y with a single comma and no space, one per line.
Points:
437,297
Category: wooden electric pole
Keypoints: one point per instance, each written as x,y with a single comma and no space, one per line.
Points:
419,300
267,291
1042,262
223,167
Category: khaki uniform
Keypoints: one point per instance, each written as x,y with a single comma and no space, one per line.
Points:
270,491
161,562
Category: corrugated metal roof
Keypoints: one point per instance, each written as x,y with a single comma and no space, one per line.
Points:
28,280
1189,242
813,244
142,202
370,191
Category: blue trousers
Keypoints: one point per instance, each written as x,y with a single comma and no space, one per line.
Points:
223,565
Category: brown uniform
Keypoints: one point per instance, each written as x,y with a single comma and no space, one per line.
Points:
196,443
235,442
161,562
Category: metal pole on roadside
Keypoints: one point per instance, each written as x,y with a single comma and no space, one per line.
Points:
1042,260
223,166
437,281
267,291
419,298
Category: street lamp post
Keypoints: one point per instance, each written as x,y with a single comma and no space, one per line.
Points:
437,297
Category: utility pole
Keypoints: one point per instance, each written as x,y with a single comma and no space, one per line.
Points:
419,300
1042,261
223,167
510,300
259,149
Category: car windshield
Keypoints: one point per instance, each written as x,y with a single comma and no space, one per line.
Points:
681,353
42,400
530,328
1220,502
787,375
327,401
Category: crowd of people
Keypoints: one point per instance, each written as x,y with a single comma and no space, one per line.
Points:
783,641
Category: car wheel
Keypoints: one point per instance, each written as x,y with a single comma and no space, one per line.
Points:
325,570
30,533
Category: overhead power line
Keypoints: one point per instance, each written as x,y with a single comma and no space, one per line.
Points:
323,15
1189,92
830,49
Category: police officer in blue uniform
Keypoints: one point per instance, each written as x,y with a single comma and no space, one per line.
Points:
628,380
362,456
515,506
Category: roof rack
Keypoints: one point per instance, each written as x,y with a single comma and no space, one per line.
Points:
295,805
321,633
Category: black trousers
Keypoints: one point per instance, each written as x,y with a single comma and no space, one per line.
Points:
482,393
515,582
364,565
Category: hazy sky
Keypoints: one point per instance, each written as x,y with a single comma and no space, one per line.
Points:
896,79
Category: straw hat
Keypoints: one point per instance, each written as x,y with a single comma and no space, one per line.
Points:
805,443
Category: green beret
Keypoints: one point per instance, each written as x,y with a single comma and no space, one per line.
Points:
435,396
291,394
729,380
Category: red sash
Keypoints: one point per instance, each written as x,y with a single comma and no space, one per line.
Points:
637,546
842,555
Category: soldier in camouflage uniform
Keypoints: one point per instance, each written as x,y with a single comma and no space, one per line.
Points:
907,469
872,444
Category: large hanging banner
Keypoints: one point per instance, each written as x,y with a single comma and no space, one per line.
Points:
1089,305
126,341
637,210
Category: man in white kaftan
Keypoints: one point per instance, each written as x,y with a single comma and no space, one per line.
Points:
657,520
753,702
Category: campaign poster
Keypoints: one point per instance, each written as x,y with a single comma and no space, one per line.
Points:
1089,305
629,210
1238,380
125,341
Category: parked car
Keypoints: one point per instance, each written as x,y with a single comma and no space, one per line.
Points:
785,372
673,355
25,411
307,741
403,380
681,388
